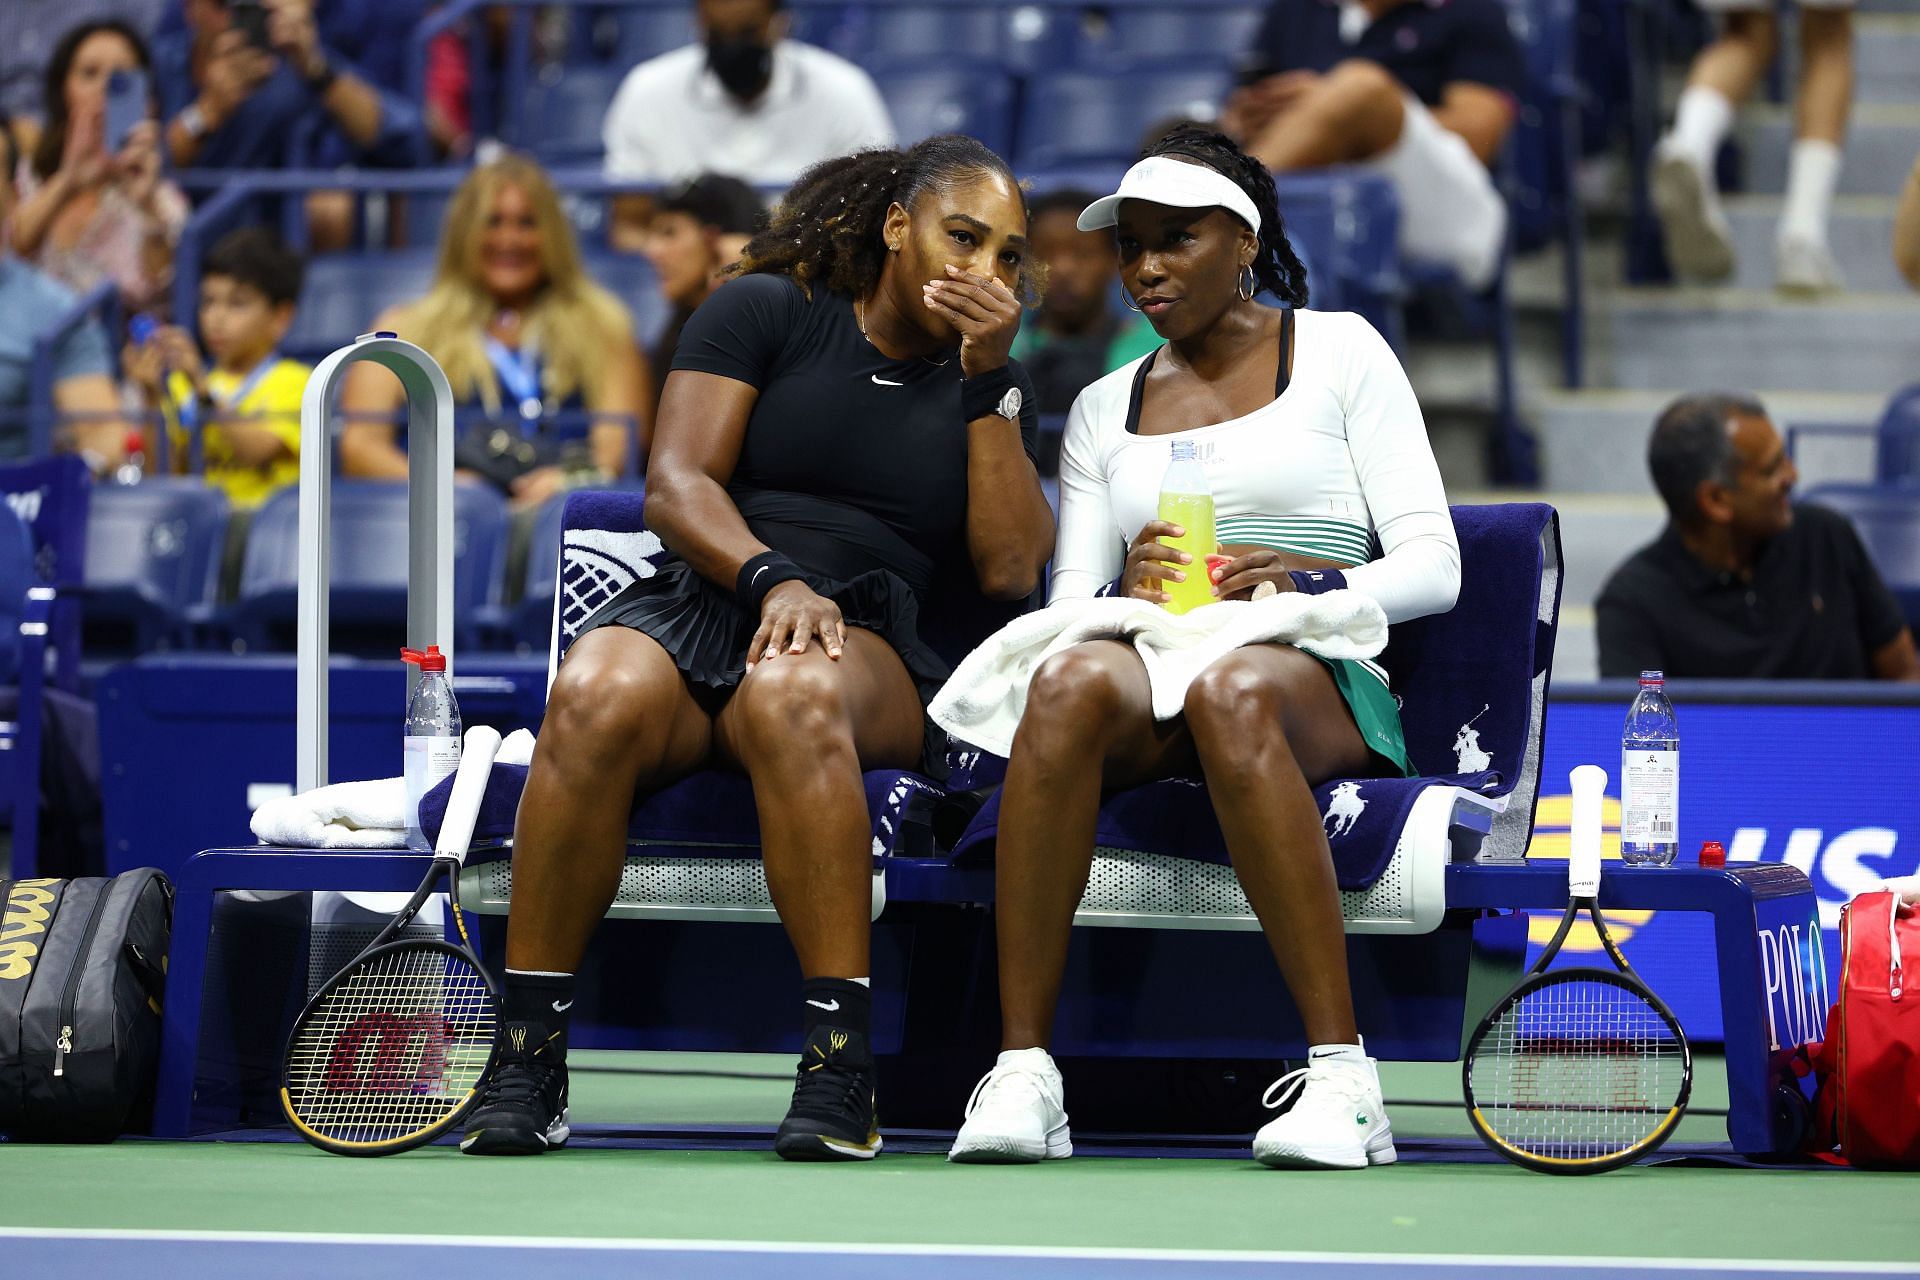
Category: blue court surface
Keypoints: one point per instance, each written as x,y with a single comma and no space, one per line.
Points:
52,1254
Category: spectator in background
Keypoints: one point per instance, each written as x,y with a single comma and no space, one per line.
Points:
33,28
1743,584
88,213
1424,91
243,81
747,101
1698,237
1077,337
697,232
83,390
522,334
1906,229
247,404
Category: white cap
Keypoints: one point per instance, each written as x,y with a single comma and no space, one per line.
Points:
1166,180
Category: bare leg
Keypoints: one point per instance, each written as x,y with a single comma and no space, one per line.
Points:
1088,704
803,727
1826,75
1732,65
619,718
1268,723
1352,113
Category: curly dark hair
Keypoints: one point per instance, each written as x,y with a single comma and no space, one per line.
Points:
53,138
827,229
1277,267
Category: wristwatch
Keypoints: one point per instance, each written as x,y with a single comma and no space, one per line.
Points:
1009,406
193,120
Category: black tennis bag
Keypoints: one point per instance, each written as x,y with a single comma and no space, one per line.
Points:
82,973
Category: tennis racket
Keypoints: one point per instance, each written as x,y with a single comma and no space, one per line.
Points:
391,1052
1584,1069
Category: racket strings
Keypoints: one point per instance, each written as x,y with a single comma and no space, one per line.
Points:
396,1047
1578,1070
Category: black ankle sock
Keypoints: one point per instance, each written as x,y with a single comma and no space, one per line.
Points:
836,1002
541,1000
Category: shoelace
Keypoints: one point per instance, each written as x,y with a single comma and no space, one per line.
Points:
1347,1084
516,1082
832,1088
998,1079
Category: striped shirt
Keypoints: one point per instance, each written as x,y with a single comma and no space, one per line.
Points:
1338,467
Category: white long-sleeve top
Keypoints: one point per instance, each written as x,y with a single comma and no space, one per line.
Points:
1338,467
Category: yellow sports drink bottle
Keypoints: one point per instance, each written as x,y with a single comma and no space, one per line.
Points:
1186,499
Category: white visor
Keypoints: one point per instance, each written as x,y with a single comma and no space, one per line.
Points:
1180,183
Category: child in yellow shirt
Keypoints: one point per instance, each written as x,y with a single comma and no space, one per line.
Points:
247,405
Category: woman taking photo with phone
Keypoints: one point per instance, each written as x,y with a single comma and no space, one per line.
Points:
93,205
1322,478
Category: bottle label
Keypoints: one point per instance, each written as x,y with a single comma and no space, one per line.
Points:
1649,796
426,760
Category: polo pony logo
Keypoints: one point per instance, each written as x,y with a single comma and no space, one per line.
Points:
1467,755
1343,809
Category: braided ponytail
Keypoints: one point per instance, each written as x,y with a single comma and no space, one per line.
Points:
1277,267
828,229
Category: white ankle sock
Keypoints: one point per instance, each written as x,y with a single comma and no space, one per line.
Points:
865,982
1701,123
1813,171
1023,1057
1354,1053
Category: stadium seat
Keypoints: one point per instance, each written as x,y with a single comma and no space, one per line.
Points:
559,121
949,96
1081,117
648,31
1218,33
1897,438
24,608
343,293
369,548
1543,155
1345,225
1473,682
153,563
1887,517
1022,39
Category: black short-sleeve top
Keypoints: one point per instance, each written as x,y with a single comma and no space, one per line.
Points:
851,461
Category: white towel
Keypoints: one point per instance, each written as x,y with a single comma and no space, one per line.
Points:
984,700
355,815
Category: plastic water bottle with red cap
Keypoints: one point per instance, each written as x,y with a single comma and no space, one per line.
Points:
1650,778
433,736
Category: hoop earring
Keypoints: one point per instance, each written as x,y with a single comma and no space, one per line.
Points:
1251,287
1127,298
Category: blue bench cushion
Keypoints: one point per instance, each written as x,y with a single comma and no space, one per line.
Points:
710,808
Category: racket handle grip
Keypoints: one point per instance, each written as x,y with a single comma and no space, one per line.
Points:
1589,784
469,788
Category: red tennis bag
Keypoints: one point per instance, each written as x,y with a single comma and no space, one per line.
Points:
1868,1068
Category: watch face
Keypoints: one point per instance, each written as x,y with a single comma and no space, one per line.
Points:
1010,404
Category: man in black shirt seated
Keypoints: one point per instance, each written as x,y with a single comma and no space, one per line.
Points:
1424,91
1743,583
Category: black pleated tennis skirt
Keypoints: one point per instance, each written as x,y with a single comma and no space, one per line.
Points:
704,630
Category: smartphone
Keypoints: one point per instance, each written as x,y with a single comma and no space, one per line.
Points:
126,105
250,20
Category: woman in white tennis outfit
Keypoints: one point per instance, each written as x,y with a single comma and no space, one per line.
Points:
1322,477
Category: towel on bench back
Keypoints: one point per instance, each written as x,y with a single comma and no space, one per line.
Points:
983,702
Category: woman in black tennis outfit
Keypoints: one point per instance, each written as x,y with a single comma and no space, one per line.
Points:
842,440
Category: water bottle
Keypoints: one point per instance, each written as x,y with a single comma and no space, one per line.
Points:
1186,499
1650,778
433,736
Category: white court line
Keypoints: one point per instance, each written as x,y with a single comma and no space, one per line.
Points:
817,1248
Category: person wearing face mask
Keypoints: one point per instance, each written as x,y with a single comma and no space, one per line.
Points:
697,232
746,101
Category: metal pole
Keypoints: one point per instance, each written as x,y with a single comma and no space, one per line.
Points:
429,526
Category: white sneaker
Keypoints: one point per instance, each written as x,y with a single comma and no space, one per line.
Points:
1805,267
1338,1121
1017,1114
1698,237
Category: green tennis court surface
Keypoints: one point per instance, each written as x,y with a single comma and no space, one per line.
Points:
700,1211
